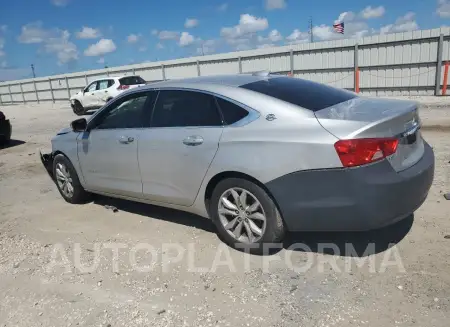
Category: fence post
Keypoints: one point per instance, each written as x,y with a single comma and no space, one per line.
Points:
240,65
291,54
21,92
163,70
440,48
1,101
35,91
85,79
51,89
444,86
10,94
356,69
198,68
68,88
134,71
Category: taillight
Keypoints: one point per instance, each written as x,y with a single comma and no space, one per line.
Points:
123,87
359,152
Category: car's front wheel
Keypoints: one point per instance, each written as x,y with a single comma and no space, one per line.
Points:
67,181
78,108
245,215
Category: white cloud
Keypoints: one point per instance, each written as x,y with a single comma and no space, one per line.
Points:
154,32
405,23
34,33
100,48
61,46
443,9
88,33
54,41
275,4
298,37
132,38
223,7
159,46
346,16
370,12
275,36
265,45
247,24
60,3
185,39
168,35
191,22
101,61
207,47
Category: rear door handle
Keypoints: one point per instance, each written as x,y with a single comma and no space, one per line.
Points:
126,139
193,140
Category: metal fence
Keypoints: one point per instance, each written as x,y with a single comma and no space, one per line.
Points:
407,63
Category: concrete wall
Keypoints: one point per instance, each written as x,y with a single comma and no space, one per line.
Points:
394,64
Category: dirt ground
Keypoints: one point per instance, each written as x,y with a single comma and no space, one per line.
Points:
58,268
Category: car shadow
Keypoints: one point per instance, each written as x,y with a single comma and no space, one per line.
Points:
359,244
12,143
156,212
355,244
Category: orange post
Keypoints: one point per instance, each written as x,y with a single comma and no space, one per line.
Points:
357,80
444,86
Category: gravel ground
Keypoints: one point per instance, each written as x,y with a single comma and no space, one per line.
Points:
57,267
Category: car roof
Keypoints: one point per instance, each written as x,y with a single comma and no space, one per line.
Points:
235,80
113,77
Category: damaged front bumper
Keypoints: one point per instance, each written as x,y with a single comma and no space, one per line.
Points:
47,161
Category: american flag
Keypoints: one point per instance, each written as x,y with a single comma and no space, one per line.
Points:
339,27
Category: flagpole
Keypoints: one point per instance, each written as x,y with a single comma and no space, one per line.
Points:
311,30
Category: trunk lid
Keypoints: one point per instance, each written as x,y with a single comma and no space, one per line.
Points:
376,118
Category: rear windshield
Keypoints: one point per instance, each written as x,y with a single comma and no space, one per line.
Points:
303,93
131,80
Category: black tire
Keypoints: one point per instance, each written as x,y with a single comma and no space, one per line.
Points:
78,108
79,195
274,230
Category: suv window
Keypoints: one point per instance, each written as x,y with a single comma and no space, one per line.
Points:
110,82
303,93
91,87
185,108
102,85
230,111
127,112
131,80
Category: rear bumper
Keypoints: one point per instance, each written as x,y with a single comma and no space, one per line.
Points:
5,130
354,199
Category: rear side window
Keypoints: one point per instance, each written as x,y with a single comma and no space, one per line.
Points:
303,93
231,112
102,85
185,108
131,80
110,82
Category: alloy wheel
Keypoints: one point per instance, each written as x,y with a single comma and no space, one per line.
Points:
242,215
64,180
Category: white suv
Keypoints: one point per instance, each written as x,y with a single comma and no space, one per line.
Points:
100,91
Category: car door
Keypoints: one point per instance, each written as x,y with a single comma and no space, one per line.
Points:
102,92
177,150
107,151
88,100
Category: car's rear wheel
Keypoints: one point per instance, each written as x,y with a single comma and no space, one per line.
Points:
245,215
67,181
78,108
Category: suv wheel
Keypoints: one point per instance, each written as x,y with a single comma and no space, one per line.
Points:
78,108
67,181
245,215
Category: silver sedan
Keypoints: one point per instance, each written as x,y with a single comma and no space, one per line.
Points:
259,154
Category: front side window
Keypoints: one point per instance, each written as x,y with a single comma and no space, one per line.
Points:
102,85
127,112
91,87
185,108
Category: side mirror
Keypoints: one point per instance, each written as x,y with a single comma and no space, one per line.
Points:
79,125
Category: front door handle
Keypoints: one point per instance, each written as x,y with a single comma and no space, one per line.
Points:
126,139
193,140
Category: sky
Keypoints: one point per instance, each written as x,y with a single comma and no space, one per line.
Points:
60,36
